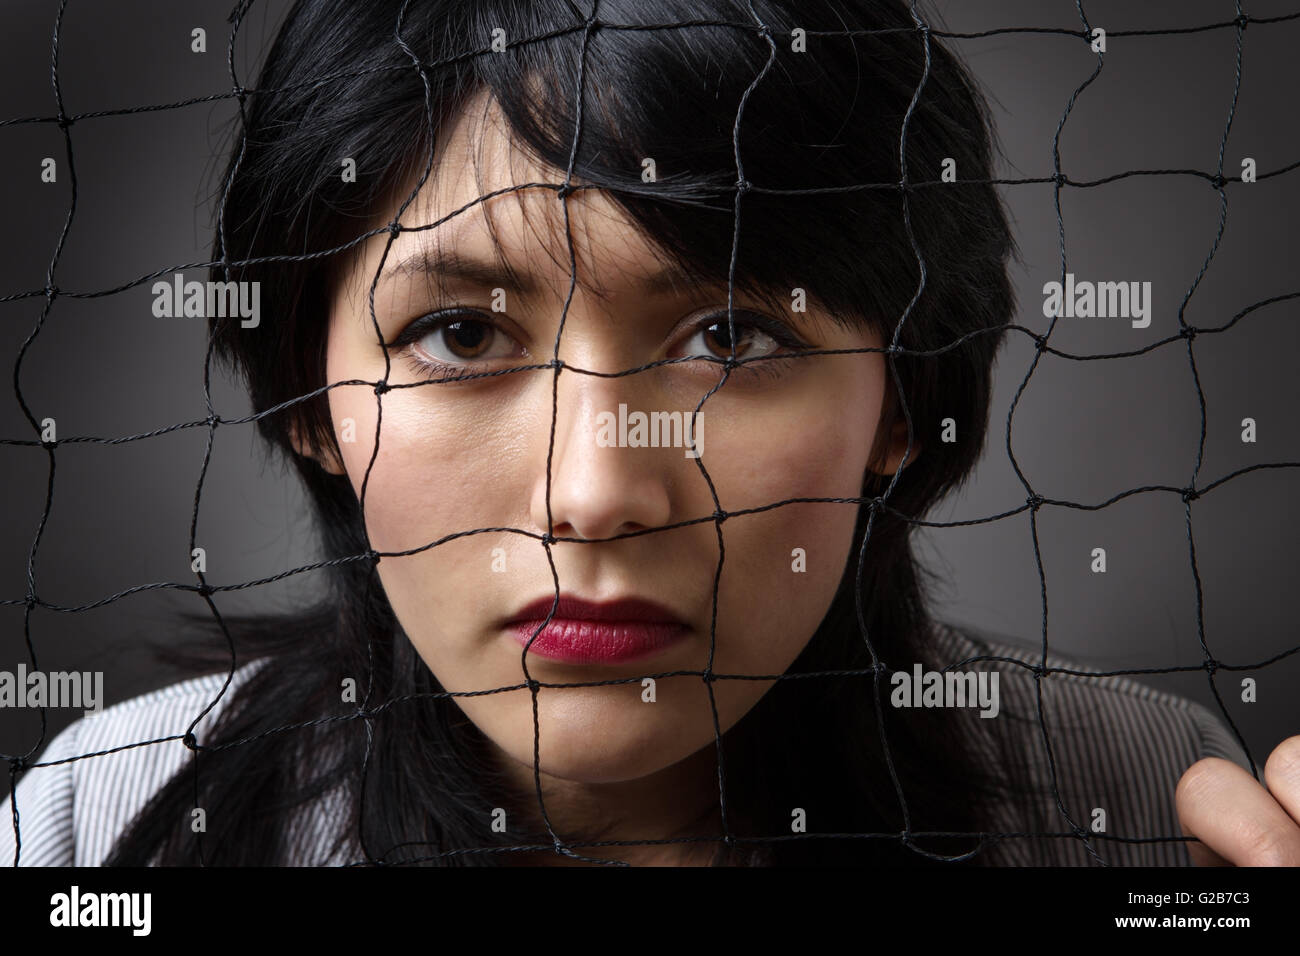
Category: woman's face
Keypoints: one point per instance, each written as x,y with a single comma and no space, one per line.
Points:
457,456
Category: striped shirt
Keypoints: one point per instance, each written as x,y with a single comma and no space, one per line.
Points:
1119,746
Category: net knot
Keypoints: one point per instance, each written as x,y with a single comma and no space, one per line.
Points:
878,503
1035,501
1060,179
394,229
1187,332
548,538
532,684
719,515
1190,494
564,190
382,387
743,185
373,555
1217,181
17,765
64,122
709,676
190,741
1242,22
1211,665
50,291
204,589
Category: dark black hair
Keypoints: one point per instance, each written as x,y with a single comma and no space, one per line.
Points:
336,83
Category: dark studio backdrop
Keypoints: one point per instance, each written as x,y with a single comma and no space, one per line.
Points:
1083,431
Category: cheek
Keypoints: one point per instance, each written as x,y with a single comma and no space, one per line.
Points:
426,484
783,566
814,440
422,483
443,467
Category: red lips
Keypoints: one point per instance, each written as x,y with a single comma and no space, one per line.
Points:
584,632
577,609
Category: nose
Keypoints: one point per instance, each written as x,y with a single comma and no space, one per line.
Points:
599,490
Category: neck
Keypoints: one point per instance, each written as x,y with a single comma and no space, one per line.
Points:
680,801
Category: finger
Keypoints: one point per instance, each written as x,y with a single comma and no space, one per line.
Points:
1202,855
1235,817
1282,774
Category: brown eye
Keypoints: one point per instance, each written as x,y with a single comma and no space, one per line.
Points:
456,337
466,338
712,337
718,338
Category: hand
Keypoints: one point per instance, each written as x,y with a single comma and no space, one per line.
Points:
1238,822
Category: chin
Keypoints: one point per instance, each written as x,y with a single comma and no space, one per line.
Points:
606,754
607,772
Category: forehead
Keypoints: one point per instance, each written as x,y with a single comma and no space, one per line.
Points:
475,156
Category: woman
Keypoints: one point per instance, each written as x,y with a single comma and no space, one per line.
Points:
545,639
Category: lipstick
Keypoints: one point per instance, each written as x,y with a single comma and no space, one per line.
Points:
586,632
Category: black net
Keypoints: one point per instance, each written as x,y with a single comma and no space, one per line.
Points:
589,26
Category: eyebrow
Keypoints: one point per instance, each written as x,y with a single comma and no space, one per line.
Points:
496,272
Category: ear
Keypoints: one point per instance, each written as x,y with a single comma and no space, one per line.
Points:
890,448
327,460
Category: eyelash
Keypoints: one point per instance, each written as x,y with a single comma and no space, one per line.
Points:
432,322
773,366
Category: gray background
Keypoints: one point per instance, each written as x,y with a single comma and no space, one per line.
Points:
1083,431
